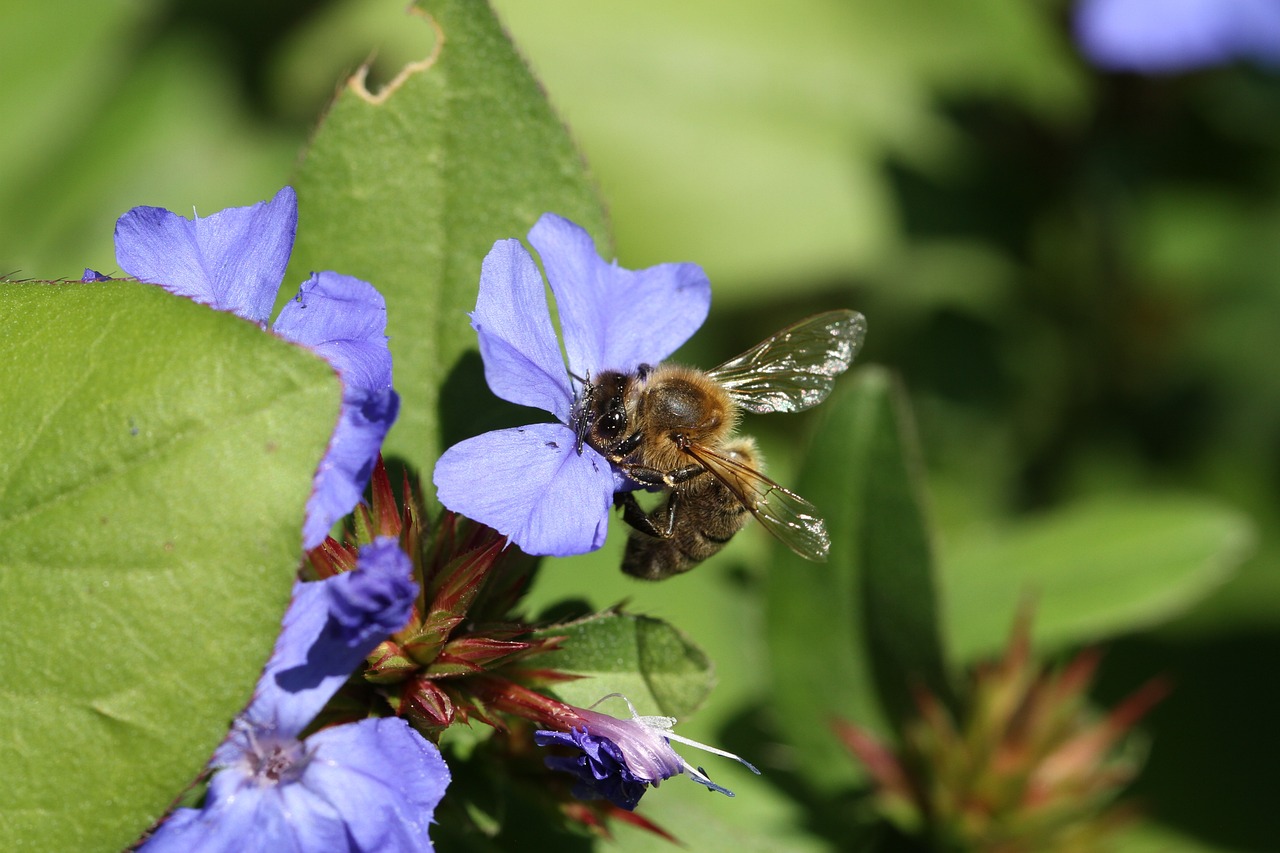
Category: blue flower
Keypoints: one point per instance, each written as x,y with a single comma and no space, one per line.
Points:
1168,36
620,759
235,261
370,786
537,484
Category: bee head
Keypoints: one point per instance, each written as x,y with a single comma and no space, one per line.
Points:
602,412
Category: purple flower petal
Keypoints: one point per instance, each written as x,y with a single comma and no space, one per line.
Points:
233,260
647,753
383,779
93,275
1167,36
329,628
613,318
378,597
531,485
522,361
601,769
619,758
344,472
371,786
343,319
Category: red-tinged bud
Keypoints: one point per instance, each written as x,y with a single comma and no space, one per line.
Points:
456,658
389,664
474,654
425,645
1026,767
458,582
426,705
508,697
385,518
539,677
609,810
596,814
880,760
331,557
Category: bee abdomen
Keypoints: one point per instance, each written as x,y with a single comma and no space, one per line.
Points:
707,524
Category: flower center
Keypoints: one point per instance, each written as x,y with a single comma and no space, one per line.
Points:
279,762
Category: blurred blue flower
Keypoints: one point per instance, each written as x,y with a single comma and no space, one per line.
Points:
536,484
234,260
1168,36
620,759
370,786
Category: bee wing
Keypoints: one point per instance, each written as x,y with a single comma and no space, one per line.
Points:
795,368
789,517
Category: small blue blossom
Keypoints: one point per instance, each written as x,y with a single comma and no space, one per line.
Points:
370,786
538,485
234,260
620,759
1169,36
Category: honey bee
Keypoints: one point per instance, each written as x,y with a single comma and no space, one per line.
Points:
672,428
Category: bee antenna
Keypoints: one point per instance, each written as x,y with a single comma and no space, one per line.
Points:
578,418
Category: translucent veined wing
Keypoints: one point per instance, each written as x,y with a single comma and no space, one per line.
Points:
789,517
796,368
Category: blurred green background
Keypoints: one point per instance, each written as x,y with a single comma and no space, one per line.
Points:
1076,274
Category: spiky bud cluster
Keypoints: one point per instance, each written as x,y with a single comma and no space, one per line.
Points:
1026,767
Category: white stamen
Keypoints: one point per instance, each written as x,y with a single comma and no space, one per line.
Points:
664,725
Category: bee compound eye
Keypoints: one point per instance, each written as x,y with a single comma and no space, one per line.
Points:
611,424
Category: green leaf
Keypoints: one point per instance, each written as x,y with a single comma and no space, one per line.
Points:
647,660
755,143
157,459
851,638
410,193
124,104
760,818
1101,567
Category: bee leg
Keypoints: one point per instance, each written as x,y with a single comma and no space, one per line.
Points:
661,523
683,475
653,478
626,446
650,478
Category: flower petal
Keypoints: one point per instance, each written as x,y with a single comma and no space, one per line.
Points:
344,472
522,361
531,485
614,318
233,260
344,319
383,780
601,768
228,824
371,786
329,628
1177,35
646,752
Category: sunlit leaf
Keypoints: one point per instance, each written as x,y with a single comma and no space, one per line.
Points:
754,142
1095,569
157,459
647,660
410,189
